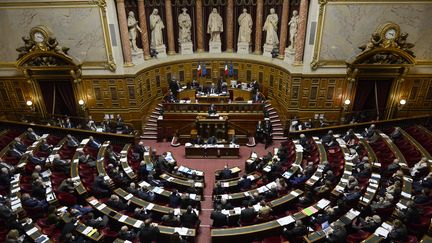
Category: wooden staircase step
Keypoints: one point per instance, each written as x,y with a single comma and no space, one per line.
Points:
148,137
154,116
150,128
150,133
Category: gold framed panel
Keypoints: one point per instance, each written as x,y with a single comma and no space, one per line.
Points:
323,4
109,63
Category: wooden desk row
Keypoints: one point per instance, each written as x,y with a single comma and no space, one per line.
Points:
222,151
318,173
234,107
130,221
270,228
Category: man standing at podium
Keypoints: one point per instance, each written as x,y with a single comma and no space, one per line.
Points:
212,140
267,133
212,110
198,140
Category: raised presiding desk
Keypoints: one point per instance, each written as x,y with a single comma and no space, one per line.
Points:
212,151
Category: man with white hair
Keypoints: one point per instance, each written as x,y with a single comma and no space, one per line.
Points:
31,135
126,234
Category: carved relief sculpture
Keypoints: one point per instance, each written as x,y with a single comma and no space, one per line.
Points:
214,26
293,29
133,28
156,26
270,27
245,30
185,24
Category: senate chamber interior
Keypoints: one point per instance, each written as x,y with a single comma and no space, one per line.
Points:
181,121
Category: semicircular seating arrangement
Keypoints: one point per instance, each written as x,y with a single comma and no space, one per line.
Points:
361,185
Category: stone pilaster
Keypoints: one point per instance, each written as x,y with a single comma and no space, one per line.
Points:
259,26
199,25
301,33
284,28
124,33
170,27
143,25
230,26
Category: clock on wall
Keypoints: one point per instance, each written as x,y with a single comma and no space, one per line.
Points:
389,31
39,34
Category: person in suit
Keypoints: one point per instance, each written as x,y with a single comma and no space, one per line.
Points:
20,145
91,125
233,140
68,123
32,202
86,159
45,147
212,110
255,86
245,183
14,152
170,219
267,131
198,140
247,215
36,160
92,143
399,232
31,135
219,219
212,140
294,231
174,199
171,98
259,132
213,89
115,203
71,141
100,187
257,97
369,224
148,232
5,178
264,212
338,234
327,139
396,134
60,164
225,173
100,222
126,234
189,219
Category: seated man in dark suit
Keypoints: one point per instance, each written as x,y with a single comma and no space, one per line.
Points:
31,135
248,215
148,232
14,152
170,219
369,224
34,203
189,219
5,178
225,173
100,222
245,183
100,187
71,142
126,234
212,140
45,147
92,143
296,230
338,234
257,97
399,232
36,160
19,145
233,140
219,219
115,203
174,199
396,134
198,140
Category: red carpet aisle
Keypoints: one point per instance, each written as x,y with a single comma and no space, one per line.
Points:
208,166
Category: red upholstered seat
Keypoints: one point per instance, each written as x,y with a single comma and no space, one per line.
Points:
67,199
358,236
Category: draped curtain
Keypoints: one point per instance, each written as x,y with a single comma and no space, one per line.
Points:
371,96
58,97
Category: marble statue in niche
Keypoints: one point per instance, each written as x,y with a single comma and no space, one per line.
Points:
185,24
156,26
245,30
293,24
214,26
133,28
270,27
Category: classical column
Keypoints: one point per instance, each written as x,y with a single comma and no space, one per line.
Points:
144,34
199,25
284,28
170,28
301,32
258,27
230,25
124,33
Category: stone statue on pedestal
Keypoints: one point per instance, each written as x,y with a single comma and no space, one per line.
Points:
133,27
270,27
185,24
156,26
245,30
214,26
293,29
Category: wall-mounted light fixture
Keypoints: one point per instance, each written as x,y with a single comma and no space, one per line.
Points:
402,103
30,105
82,104
346,105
